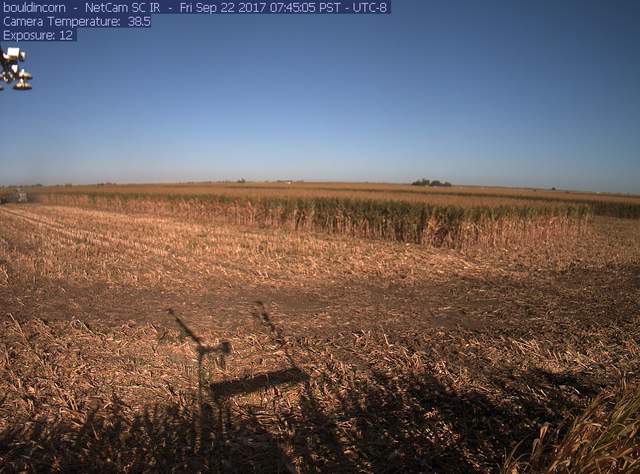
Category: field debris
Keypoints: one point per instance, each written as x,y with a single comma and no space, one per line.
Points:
138,342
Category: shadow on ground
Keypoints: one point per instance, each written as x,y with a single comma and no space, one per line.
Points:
415,424
382,418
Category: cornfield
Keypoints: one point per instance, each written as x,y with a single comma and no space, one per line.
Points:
450,225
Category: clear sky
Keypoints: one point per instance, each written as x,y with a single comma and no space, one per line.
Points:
522,93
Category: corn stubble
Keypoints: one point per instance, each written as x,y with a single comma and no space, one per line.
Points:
605,438
294,394
80,396
449,225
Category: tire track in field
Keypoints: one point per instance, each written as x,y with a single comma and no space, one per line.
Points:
105,217
179,255
127,265
135,247
221,240
18,226
87,235
182,268
19,240
123,256
137,237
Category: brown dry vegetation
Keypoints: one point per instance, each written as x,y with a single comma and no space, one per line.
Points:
324,189
145,340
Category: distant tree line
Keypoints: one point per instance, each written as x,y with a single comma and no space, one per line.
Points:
426,182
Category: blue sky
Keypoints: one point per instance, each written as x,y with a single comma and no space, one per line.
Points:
514,92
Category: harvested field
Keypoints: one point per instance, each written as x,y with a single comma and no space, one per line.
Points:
443,222
143,338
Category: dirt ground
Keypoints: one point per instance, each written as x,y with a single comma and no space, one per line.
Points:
136,343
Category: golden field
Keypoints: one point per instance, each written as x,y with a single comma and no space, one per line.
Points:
319,327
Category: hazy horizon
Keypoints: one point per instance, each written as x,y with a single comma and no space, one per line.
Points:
306,181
